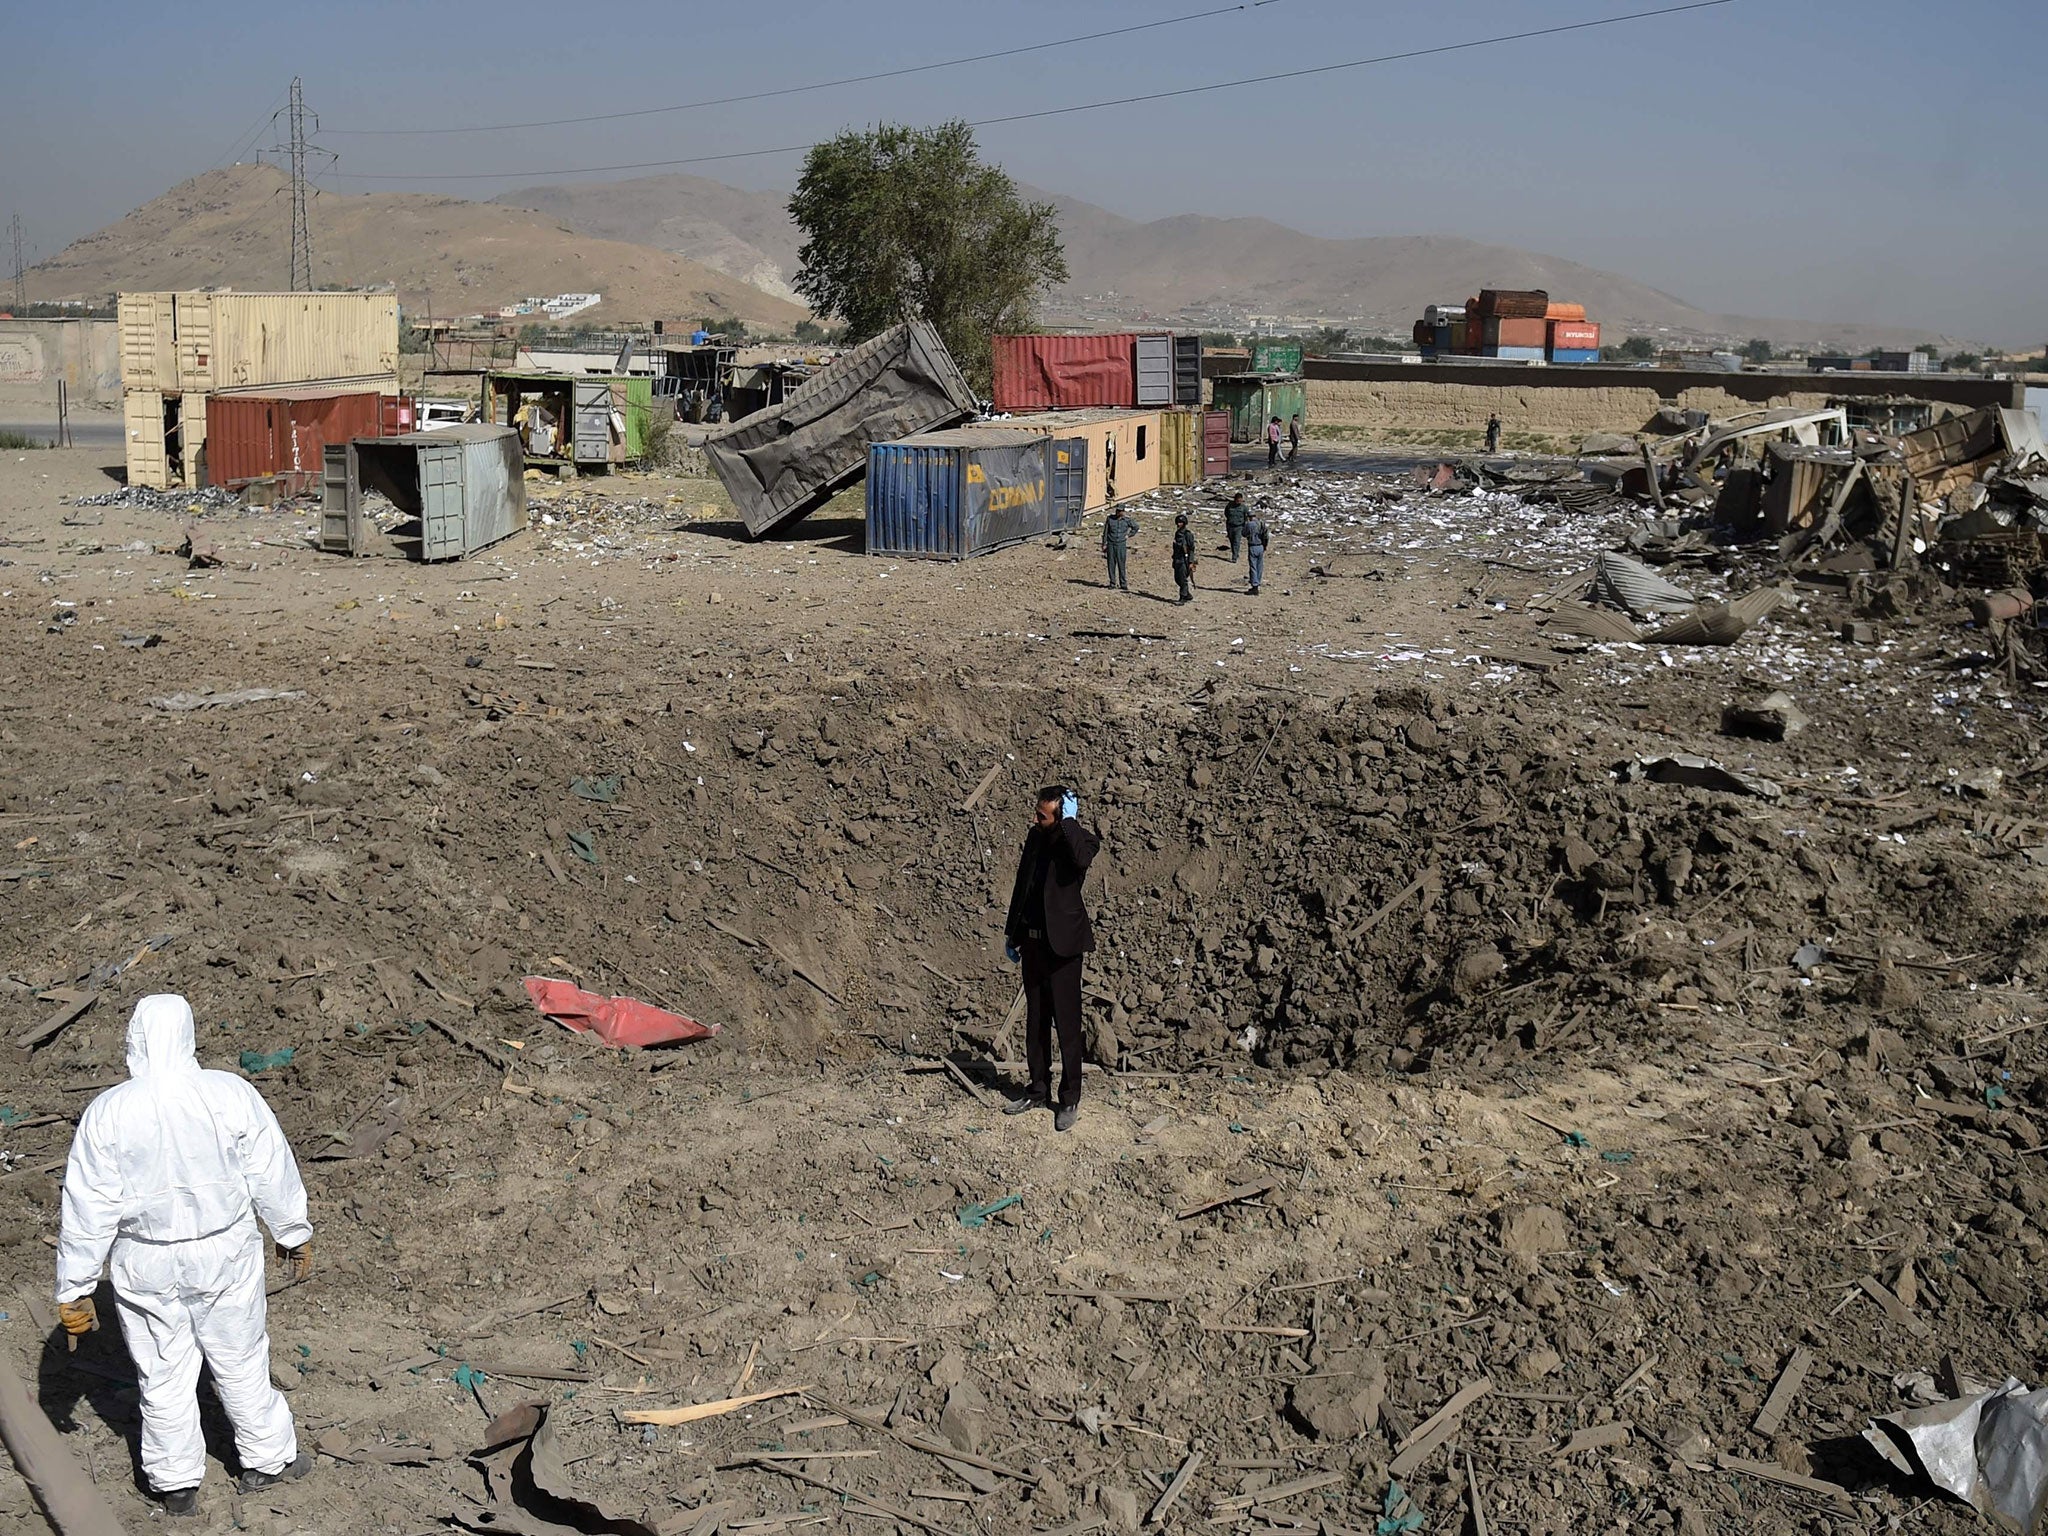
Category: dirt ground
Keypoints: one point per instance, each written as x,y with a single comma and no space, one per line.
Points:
1505,1051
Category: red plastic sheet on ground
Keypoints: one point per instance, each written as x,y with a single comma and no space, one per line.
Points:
616,1021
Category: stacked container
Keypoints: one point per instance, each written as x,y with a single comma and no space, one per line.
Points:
955,494
1117,369
279,433
1508,323
1574,341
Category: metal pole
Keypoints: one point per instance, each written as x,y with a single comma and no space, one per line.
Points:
302,237
20,268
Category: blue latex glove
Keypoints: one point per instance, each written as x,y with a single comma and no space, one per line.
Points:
1070,808
1011,953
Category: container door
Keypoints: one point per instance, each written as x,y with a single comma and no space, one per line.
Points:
593,439
1215,443
341,501
192,320
143,413
1070,481
1187,370
1155,370
1007,495
443,527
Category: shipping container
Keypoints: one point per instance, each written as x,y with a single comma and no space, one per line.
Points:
1558,311
282,432
1057,373
1515,333
1574,335
1215,443
1515,354
1438,314
590,420
148,457
1069,479
1575,355
955,494
1513,304
201,342
1187,368
1254,399
1276,357
466,484
783,463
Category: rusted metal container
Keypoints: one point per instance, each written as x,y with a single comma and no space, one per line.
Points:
281,433
1510,332
1215,443
1514,304
1057,373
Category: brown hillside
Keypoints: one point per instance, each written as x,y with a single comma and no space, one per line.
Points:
229,228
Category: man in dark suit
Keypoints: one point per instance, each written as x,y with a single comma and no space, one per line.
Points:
1048,933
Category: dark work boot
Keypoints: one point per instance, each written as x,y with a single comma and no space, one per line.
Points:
1024,1103
1064,1117
252,1482
180,1503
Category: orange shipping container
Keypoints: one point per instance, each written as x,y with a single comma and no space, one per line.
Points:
1566,311
1515,333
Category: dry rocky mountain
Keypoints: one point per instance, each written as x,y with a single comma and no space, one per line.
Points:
228,228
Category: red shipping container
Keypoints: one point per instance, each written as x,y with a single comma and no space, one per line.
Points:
1054,373
282,432
1215,443
1516,333
1574,335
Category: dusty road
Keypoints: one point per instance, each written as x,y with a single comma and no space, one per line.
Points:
1505,1056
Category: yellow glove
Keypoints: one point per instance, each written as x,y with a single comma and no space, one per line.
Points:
298,1260
78,1316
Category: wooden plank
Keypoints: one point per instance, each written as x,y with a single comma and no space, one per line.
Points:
1894,1308
781,1470
1267,1329
1406,891
28,1039
1230,1196
974,797
1462,1399
1771,1472
1779,1403
1479,1526
1174,1489
691,1413
1275,1493
1595,1437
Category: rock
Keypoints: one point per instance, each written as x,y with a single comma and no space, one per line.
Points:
1120,1507
1474,969
427,776
1886,988
1527,1232
1422,736
1343,1402
1535,1364
964,1420
949,1372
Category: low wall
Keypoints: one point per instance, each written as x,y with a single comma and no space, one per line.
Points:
1452,397
85,354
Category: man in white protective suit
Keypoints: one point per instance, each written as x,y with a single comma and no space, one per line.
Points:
167,1176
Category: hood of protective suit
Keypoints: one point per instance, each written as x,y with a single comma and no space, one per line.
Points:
160,1037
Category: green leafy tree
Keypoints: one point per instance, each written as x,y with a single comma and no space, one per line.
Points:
1637,349
908,223
1758,350
1327,339
733,330
1221,339
1962,362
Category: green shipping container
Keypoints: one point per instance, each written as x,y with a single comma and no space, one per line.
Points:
1254,399
1276,357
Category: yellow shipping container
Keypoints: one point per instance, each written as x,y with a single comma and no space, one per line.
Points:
198,342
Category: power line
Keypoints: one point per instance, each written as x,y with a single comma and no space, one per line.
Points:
822,85
1088,106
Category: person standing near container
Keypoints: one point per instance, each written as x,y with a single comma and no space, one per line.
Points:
1116,541
1234,514
1493,433
1184,557
1293,436
1272,442
1048,935
1257,535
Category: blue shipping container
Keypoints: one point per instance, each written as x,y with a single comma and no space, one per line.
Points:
955,494
1575,355
1523,354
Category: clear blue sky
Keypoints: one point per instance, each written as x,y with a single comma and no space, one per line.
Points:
1832,159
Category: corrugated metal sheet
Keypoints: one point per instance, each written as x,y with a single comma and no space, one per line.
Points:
1513,304
254,437
1276,357
1053,373
1515,354
1069,479
1576,335
782,463
147,341
953,495
1575,354
1516,333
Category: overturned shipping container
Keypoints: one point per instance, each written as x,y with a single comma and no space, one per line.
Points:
955,494
466,484
781,464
